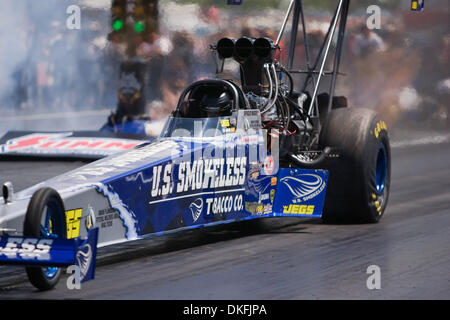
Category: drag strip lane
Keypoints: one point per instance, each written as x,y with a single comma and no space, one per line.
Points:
290,258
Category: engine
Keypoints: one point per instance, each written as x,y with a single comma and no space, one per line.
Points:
269,87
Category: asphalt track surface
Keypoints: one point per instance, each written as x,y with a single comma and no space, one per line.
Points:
279,258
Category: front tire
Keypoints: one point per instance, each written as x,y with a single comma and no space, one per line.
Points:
45,218
359,180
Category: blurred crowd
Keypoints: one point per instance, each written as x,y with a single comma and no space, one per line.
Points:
401,69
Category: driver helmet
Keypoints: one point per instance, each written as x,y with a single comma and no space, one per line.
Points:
217,105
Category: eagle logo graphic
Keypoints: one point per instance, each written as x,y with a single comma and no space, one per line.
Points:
303,185
196,208
84,259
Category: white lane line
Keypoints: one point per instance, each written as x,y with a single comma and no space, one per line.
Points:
197,194
68,115
438,139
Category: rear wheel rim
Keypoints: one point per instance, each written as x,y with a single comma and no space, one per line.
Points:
381,170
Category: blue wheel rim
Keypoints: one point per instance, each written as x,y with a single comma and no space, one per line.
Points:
50,272
47,232
381,170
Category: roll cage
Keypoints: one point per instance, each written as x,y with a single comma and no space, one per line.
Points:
314,75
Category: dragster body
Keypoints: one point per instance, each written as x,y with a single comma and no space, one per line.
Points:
230,151
178,183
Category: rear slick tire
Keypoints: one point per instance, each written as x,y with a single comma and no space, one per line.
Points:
359,179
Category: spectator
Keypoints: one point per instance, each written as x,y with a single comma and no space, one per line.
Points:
367,42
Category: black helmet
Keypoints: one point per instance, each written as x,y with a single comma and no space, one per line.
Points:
217,104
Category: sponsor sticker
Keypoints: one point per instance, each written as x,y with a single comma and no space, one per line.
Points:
273,181
225,204
269,165
225,123
381,126
73,219
65,144
272,195
417,5
299,209
304,187
26,248
196,208
106,217
90,219
268,209
198,175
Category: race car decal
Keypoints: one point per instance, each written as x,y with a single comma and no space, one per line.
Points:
121,163
196,208
417,5
173,193
65,144
84,259
305,186
175,184
258,184
52,252
201,174
301,192
21,248
269,165
140,176
381,126
73,219
299,209
127,216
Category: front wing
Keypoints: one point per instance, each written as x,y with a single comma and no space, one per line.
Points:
29,251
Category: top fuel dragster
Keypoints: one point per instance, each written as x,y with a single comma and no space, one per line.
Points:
229,152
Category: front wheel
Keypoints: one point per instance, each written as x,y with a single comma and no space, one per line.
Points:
45,218
359,180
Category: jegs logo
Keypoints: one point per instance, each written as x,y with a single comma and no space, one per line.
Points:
28,248
304,187
299,209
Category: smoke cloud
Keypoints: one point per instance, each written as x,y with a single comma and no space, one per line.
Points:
46,66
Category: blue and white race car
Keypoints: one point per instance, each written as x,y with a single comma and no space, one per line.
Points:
229,152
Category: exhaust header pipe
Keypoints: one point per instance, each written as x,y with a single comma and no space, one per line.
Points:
225,48
246,48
